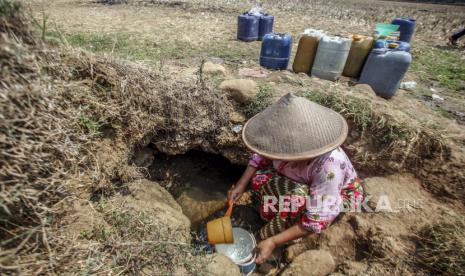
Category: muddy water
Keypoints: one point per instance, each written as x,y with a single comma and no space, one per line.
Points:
198,181
198,204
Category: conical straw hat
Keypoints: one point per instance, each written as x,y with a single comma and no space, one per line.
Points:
294,128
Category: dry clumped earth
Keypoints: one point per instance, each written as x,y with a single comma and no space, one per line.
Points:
81,133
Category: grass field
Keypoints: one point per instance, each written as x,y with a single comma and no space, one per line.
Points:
150,31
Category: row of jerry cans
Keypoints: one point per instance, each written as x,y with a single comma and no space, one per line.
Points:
381,64
254,26
251,27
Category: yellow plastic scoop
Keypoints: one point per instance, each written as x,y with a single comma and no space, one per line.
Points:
220,230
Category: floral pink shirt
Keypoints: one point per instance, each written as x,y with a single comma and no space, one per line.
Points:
327,176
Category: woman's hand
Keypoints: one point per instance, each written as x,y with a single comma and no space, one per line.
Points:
265,248
235,192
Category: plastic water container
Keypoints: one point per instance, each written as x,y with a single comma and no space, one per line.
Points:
331,57
384,29
384,71
247,27
275,51
306,50
361,47
248,268
265,25
241,251
401,45
406,29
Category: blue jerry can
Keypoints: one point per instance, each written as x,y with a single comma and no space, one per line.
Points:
265,26
276,50
406,29
401,45
384,70
247,27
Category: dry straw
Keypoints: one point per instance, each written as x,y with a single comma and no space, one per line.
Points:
56,107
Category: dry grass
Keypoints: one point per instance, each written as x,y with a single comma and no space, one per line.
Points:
405,142
131,242
57,108
431,18
40,146
441,246
40,141
141,100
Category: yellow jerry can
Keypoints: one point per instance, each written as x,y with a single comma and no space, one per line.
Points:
361,47
306,50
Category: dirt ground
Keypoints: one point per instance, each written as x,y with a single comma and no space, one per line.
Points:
173,38
168,31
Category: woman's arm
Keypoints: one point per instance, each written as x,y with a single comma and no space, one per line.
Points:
238,189
246,176
267,246
290,234
256,162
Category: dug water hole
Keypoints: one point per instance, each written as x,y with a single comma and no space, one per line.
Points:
198,181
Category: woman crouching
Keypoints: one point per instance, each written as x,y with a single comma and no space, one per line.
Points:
301,177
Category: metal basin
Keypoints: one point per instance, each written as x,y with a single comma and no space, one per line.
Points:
241,250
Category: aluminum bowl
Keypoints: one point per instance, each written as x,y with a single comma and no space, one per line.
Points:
241,251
